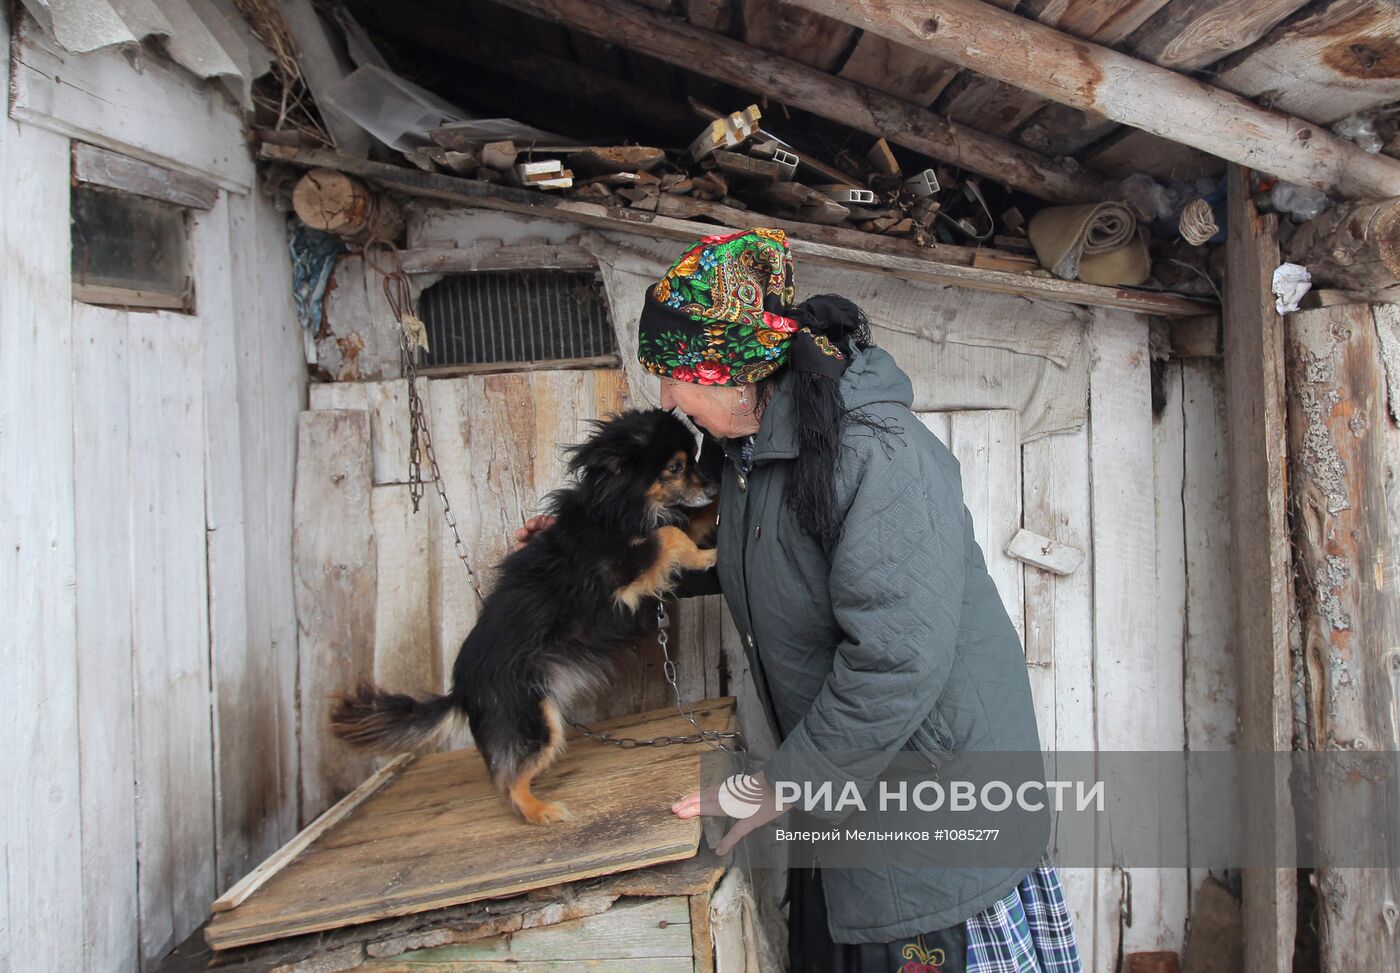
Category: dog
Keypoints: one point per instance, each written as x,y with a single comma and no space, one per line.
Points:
565,606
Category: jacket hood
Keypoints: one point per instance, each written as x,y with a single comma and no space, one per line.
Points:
872,377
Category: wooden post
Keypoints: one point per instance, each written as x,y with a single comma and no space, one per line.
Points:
1254,412
1092,78
326,199
1342,449
1354,246
796,84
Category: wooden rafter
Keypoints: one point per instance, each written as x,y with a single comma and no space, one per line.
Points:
791,83
1093,78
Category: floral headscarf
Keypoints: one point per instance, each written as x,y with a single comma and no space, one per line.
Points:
723,314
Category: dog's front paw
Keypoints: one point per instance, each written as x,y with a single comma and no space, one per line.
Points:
706,559
548,812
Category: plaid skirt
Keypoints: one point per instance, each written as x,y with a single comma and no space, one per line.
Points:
1029,930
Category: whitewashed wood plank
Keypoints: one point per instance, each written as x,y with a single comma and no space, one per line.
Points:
107,742
255,689
1059,632
1210,673
1171,886
155,114
41,815
170,635
390,428
102,167
1138,695
987,444
335,569
1210,660
405,659
242,731
455,606
1043,552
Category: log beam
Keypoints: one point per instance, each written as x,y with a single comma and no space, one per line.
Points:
1354,247
1345,534
796,84
1092,78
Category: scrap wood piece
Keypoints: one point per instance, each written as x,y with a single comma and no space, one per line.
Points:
1353,246
725,132
546,174
439,834
806,202
883,159
1043,552
849,194
748,168
499,155
616,159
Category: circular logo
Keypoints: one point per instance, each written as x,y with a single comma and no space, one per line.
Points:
740,796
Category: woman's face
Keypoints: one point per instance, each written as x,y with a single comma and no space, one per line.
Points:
715,408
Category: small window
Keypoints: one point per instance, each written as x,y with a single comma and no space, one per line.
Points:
129,251
547,316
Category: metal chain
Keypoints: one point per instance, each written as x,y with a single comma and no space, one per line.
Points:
398,295
712,738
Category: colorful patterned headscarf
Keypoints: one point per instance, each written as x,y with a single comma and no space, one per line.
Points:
723,314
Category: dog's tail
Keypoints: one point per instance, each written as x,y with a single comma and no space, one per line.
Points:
372,719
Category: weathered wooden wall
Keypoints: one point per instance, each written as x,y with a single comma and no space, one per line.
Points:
148,459
1128,652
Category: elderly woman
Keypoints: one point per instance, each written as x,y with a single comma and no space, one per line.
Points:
848,561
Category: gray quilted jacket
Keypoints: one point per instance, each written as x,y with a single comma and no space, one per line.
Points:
890,637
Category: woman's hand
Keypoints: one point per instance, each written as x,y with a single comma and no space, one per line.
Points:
532,527
765,809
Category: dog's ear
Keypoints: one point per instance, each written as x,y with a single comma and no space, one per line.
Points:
600,452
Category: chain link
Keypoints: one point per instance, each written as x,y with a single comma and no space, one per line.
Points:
713,738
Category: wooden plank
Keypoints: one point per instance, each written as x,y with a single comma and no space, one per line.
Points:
1259,562
787,29
389,423
1090,77
101,167
41,807
540,205
495,257
1210,662
439,835
987,444
240,757
338,812
154,114
1059,630
170,629
404,656
106,729
800,86
1336,60
1209,679
1134,150
1189,34
1342,449
1137,684
335,574
899,70
640,929
255,684
1043,552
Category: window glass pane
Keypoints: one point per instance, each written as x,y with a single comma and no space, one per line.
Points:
128,242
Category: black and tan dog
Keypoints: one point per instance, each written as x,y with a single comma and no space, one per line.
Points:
565,606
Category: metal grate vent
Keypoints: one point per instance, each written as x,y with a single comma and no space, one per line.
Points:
531,316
